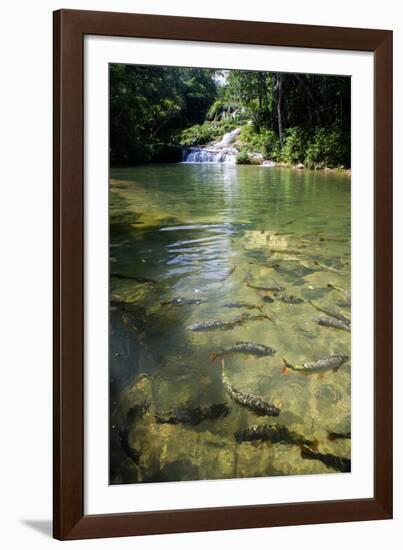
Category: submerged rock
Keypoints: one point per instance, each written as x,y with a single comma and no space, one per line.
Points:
329,393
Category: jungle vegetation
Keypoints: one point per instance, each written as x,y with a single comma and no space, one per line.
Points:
289,118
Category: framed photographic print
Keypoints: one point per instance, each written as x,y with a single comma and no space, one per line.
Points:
222,274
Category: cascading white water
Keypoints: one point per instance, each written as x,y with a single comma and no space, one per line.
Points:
228,138
207,154
216,152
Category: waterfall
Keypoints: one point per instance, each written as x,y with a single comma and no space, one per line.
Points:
209,154
228,138
220,151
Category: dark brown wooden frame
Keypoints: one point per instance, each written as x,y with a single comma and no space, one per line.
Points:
70,27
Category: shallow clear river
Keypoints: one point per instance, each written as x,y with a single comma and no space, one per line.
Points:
188,244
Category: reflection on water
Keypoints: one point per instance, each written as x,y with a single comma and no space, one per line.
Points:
251,248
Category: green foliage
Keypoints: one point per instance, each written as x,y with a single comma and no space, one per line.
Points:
198,134
328,148
265,142
243,157
199,90
224,126
293,150
216,110
148,104
286,108
253,91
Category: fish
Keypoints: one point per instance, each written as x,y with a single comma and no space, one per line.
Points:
331,313
328,268
289,299
248,348
275,288
179,301
129,451
252,402
212,325
267,298
239,305
345,293
193,415
333,323
334,435
338,463
275,434
333,362
225,325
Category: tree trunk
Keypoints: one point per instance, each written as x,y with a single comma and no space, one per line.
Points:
280,106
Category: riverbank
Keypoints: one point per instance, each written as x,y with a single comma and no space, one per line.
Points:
300,166
241,145
316,148
269,164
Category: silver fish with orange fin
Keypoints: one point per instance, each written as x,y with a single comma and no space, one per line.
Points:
248,348
333,362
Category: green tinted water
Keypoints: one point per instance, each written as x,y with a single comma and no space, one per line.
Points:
178,231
